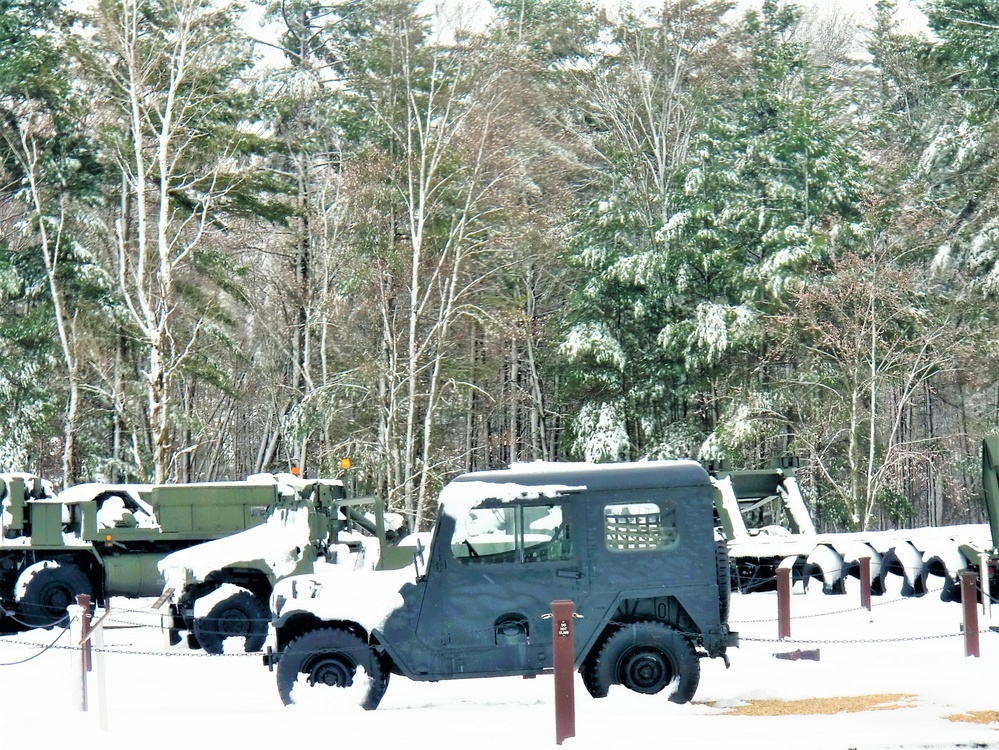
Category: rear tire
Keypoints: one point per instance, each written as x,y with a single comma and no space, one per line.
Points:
724,575
648,657
593,686
46,590
241,615
331,656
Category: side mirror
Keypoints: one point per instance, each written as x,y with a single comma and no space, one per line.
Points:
419,562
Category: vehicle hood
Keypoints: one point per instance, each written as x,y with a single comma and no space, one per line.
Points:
276,546
339,593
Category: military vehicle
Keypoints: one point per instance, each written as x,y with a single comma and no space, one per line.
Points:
633,545
761,539
220,589
767,525
106,540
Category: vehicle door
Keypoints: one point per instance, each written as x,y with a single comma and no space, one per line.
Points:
494,582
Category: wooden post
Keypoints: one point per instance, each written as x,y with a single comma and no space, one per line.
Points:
865,583
969,603
102,691
79,671
562,656
783,603
84,601
983,565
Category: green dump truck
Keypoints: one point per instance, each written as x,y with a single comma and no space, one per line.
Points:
106,540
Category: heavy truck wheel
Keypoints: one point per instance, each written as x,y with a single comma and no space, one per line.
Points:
588,671
648,657
239,615
331,656
44,591
724,576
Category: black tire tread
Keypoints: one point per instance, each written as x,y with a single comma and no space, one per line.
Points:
588,672
677,648
32,610
723,572
254,612
296,653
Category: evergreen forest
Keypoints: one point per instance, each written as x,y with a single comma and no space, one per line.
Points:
436,242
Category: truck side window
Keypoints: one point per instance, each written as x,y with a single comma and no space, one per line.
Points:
632,527
515,533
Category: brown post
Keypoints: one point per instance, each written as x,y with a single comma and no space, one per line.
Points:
783,603
969,602
83,600
865,583
565,668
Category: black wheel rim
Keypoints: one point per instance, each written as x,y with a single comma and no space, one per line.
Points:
646,670
233,623
55,599
334,671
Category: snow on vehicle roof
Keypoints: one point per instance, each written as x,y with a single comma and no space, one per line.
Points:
457,498
29,479
83,493
527,481
541,467
291,480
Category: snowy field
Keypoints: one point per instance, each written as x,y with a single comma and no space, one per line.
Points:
169,698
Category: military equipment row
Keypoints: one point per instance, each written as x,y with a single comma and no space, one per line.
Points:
107,540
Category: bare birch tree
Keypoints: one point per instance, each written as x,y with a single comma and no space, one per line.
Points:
47,224
875,339
166,69
434,174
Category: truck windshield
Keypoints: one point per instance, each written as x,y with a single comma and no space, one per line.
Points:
512,534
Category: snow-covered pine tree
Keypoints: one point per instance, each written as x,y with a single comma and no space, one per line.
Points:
690,251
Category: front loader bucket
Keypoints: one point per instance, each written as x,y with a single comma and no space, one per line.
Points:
905,560
852,552
945,559
829,563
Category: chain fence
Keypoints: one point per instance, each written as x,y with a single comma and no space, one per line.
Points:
847,610
852,641
131,618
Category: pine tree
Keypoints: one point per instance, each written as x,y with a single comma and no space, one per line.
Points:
48,166
701,230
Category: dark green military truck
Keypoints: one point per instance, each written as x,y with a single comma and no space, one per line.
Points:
632,545
106,540
220,589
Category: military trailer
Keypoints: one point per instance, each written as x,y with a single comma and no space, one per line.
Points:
220,589
106,540
632,545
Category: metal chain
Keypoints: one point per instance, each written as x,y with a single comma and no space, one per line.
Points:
112,650
43,648
858,608
842,641
201,654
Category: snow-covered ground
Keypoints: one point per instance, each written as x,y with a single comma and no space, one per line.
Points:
169,698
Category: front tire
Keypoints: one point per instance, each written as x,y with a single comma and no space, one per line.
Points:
331,656
240,615
46,589
648,657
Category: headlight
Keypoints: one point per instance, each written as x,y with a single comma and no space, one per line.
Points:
307,588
